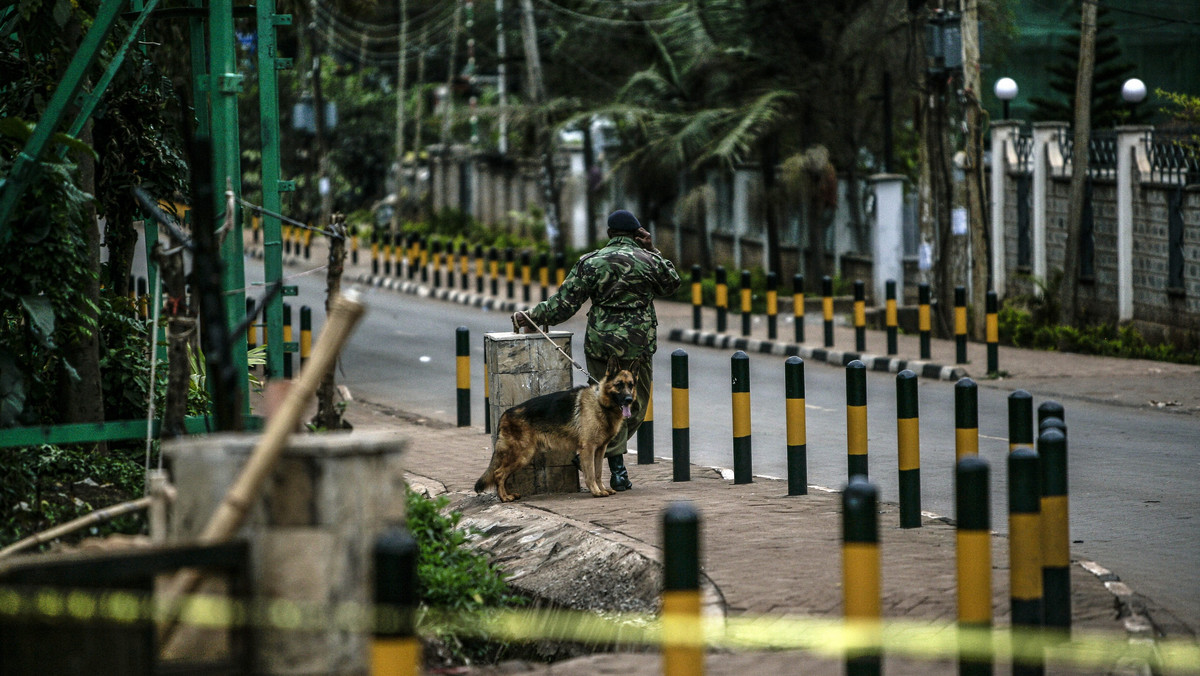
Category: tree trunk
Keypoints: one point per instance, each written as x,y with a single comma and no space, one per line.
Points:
976,195
769,156
181,328
544,133
329,414
83,399
1069,288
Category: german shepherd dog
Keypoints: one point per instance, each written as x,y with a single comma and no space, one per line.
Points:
583,419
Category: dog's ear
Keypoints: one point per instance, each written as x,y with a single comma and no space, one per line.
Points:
614,366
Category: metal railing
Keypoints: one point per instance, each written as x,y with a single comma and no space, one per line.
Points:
1174,155
1102,152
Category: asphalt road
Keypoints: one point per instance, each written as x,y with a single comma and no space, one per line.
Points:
1134,486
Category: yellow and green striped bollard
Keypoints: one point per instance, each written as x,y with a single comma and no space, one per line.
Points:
908,446
494,270
287,338
526,277
861,579
973,549
680,418
683,635
856,418
740,369
797,426
1020,419
509,273
464,269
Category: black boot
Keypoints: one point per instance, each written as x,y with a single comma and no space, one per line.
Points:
620,476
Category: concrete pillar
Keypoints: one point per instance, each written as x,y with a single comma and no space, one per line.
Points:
888,247
1132,162
1045,155
1004,134
522,366
311,534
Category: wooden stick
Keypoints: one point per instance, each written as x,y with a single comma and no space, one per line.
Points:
98,516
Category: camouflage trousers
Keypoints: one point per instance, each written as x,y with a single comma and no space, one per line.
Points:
643,376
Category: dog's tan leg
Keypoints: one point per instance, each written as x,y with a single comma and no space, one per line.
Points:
587,462
501,479
600,470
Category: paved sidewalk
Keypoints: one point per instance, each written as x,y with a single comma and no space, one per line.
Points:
773,555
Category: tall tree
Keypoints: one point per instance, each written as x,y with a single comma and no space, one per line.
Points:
1069,290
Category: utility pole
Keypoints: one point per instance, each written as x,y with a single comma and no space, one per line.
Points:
401,81
448,105
501,80
537,87
1069,288
976,197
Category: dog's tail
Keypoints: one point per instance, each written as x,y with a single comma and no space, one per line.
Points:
489,477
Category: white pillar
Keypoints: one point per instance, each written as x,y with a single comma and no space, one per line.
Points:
1131,157
1044,144
1004,133
888,246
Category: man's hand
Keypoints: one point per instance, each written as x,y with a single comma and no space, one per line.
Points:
642,237
521,320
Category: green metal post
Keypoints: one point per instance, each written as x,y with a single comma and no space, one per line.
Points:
272,185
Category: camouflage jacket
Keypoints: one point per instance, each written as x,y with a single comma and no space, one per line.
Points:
621,279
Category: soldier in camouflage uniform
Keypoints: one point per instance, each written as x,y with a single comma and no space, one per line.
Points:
621,279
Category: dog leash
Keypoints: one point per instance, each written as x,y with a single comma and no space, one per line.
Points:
517,329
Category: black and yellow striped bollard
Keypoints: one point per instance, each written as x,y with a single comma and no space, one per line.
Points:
449,261
742,466
395,647
1025,559
436,251
374,253
544,274
414,256
973,550
308,235
992,321
860,316
399,253
494,270
487,400
889,315
287,338
908,437
772,306
464,267
286,232
861,579
924,322
1056,538
510,273
423,258
143,298
681,451
856,418
1020,419
560,270
354,245
645,433
722,298
697,297
251,328
526,277
389,248
479,268
960,324
305,334
747,298
798,306
797,426
966,419
462,358
683,635
827,308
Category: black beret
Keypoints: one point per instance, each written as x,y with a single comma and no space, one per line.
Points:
623,221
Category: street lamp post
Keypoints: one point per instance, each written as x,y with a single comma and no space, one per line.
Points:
1133,92
1006,90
